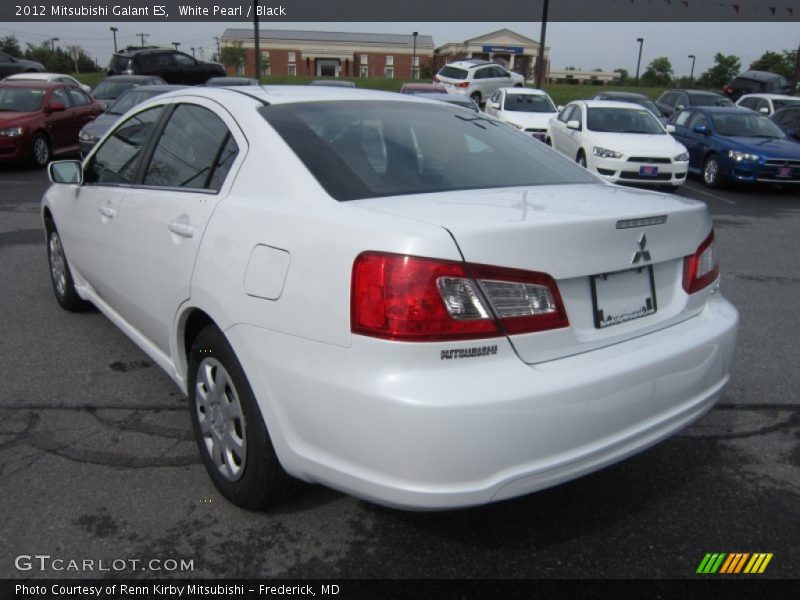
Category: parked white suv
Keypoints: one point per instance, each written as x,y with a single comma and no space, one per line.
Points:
767,103
477,79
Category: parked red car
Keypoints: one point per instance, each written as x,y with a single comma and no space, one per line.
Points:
39,119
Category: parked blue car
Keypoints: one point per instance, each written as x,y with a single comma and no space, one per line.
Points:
736,145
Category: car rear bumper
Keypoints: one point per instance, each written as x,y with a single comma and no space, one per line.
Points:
375,421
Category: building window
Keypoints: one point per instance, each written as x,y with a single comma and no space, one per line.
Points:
364,59
291,57
388,72
363,72
292,70
389,61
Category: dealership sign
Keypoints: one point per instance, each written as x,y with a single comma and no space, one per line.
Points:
504,49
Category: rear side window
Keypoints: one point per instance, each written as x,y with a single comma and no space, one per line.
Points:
195,151
117,160
359,149
118,63
453,73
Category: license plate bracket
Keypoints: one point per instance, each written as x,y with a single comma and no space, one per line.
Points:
623,296
785,172
648,171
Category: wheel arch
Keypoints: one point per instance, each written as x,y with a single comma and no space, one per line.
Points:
190,323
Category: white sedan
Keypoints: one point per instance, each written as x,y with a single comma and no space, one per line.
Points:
55,77
527,109
621,142
393,297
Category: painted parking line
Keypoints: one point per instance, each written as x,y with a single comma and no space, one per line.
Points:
709,194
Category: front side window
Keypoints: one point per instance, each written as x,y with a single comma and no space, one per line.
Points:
77,97
358,149
195,151
697,119
682,118
117,160
566,114
183,60
60,95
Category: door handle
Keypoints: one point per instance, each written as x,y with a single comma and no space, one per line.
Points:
107,212
181,229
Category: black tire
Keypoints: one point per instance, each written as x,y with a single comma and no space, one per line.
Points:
476,96
581,159
710,174
549,142
261,481
40,151
60,274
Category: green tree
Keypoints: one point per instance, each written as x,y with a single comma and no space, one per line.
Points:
776,62
233,55
61,61
623,75
725,68
10,45
658,73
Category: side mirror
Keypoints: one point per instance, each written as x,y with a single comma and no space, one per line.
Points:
670,128
56,107
576,125
65,171
763,110
491,104
700,129
679,107
792,133
560,107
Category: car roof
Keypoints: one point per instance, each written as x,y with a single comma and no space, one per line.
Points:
146,50
717,110
130,78
757,75
632,95
524,90
157,89
37,75
771,96
34,83
695,92
290,94
471,63
610,104
232,80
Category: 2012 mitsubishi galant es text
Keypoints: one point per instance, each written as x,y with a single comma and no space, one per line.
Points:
394,297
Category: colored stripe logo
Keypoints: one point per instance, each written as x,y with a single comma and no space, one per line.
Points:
734,563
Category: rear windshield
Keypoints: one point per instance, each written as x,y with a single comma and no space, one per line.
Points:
367,149
623,120
108,90
21,99
130,99
709,100
453,73
528,103
746,125
648,104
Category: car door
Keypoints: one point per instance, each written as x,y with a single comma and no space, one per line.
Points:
696,143
59,124
164,216
573,137
88,215
558,128
500,78
188,70
83,112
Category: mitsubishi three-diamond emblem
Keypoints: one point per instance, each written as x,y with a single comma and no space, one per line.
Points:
641,252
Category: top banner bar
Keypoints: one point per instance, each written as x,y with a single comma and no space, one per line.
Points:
277,11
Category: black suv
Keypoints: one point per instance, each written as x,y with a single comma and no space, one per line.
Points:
756,82
673,101
10,65
172,66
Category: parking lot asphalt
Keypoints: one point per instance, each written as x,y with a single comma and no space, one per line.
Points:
97,460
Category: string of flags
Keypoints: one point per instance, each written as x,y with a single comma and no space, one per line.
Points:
775,9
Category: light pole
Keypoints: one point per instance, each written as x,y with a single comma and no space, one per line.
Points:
540,55
142,36
256,41
114,31
691,74
53,44
639,62
176,44
414,54
193,53
219,51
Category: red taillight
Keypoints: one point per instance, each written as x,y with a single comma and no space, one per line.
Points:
701,269
462,84
410,298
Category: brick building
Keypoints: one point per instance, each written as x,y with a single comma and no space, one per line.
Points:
513,50
333,54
